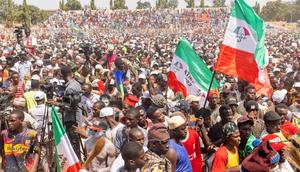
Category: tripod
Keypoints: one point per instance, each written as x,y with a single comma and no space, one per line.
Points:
46,145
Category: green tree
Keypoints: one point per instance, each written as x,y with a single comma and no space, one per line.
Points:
62,5
73,5
143,5
273,11
26,16
10,15
120,4
173,3
219,3
190,3
111,4
257,8
162,4
202,4
92,5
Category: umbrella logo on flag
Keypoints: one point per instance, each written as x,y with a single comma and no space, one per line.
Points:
241,33
178,66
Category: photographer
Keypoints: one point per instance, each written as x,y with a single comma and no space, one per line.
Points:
71,114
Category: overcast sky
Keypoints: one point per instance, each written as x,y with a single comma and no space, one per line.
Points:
53,4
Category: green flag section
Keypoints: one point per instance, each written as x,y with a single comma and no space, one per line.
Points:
188,73
66,159
243,53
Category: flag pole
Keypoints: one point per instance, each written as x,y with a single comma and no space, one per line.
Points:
209,88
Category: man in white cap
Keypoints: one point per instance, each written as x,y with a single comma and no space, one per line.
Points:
39,112
279,96
178,155
30,95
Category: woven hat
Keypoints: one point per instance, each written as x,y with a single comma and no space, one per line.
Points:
159,100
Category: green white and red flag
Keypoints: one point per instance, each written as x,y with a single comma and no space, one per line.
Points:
243,53
188,73
66,159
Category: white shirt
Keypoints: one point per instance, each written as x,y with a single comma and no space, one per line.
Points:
38,113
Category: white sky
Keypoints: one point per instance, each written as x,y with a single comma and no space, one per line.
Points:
53,4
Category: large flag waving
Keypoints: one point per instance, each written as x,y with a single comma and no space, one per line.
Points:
189,74
66,159
243,53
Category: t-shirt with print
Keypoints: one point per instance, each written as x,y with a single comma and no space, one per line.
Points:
18,150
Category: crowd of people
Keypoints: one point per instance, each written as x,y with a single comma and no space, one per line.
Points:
71,62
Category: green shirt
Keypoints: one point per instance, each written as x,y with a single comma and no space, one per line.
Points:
243,153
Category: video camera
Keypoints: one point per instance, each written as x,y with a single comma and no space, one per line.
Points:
52,89
71,99
19,32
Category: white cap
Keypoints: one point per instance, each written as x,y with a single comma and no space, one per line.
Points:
39,63
95,83
279,95
297,85
39,95
107,111
36,77
142,76
112,82
98,66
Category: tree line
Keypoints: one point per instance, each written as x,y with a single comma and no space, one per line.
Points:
11,13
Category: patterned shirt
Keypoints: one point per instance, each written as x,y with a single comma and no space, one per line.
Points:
155,163
18,150
243,153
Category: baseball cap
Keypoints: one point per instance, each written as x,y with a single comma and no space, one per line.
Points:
131,100
39,95
142,76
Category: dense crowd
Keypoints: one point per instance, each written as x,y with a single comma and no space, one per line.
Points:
71,61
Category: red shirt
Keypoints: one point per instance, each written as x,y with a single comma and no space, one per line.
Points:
192,146
288,129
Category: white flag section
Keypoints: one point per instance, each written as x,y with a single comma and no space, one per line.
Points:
66,159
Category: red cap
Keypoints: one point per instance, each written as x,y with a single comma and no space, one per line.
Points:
274,141
131,100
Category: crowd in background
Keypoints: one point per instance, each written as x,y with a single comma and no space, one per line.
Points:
151,127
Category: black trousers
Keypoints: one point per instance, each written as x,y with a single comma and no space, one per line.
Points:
73,137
